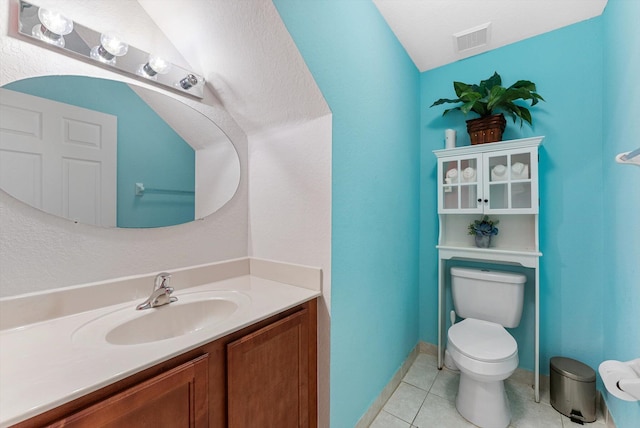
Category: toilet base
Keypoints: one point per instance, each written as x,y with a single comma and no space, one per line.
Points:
484,404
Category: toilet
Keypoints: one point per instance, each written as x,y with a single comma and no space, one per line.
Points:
479,345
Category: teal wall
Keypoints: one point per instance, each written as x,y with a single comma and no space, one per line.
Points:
589,288
590,291
590,295
566,66
149,151
371,86
621,308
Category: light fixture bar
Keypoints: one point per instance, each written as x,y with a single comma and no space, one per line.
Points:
52,30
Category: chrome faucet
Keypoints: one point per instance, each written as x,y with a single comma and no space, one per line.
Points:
161,294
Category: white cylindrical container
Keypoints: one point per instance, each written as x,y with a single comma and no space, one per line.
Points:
449,139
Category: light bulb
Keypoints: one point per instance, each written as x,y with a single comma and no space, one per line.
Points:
155,65
53,26
188,82
111,46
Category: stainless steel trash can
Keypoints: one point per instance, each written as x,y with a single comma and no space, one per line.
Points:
573,389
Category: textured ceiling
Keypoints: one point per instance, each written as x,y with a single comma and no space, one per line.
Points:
247,57
251,63
426,27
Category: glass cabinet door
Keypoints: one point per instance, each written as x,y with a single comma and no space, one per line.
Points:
459,180
508,185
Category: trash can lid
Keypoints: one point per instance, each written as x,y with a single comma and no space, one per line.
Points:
573,369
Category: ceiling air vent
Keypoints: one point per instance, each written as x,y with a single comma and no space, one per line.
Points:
472,38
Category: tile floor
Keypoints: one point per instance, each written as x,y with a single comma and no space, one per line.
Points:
426,398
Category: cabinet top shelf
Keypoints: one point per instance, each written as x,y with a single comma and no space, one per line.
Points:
490,147
490,250
523,258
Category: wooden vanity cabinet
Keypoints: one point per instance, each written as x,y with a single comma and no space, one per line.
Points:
264,375
176,398
268,375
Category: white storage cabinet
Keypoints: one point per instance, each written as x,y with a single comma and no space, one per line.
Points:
496,179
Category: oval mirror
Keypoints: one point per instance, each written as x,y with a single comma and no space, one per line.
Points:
112,154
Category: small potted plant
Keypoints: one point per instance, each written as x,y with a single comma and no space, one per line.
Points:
490,100
483,230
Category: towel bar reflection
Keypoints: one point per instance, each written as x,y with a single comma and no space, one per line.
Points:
141,190
632,158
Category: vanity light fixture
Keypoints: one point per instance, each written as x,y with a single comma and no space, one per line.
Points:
154,66
52,28
102,49
110,47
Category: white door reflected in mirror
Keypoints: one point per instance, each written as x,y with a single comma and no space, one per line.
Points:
59,158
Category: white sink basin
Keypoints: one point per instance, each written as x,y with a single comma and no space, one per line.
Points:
192,312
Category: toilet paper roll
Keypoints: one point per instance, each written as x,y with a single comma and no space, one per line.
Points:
617,374
449,139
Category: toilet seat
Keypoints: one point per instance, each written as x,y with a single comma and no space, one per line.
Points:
482,341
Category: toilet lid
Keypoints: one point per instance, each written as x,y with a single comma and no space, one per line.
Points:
482,340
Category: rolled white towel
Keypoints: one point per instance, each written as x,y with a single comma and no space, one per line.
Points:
517,168
452,175
499,173
469,175
519,171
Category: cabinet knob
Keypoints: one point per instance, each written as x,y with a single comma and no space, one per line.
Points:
479,200
486,201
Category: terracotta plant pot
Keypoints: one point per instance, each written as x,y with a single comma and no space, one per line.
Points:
486,129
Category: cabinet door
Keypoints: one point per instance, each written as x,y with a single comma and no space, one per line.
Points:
268,376
511,182
175,399
459,185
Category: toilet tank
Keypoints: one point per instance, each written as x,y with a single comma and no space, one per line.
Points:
488,295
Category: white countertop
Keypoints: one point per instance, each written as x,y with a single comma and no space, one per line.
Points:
43,366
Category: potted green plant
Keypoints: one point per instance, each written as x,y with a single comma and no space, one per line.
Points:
490,100
483,230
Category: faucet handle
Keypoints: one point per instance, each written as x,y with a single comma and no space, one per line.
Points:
162,280
163,298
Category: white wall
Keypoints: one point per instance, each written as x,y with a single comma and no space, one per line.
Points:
290,195
290,214
39,251
289,210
